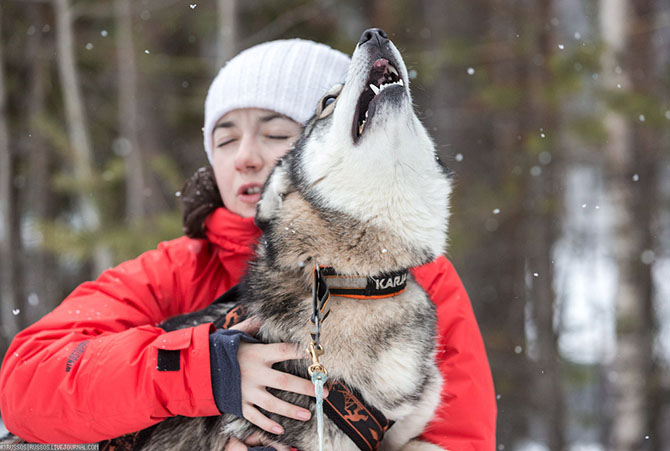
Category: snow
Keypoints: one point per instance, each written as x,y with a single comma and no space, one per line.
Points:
33,299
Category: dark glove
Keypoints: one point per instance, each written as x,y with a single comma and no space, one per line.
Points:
223,345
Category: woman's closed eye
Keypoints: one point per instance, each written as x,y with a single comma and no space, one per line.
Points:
225,142
278,137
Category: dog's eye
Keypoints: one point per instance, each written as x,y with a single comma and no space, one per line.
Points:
327,101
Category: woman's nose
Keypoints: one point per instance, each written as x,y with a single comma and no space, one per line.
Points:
248,155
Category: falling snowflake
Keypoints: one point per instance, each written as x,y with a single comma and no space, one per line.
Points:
33,299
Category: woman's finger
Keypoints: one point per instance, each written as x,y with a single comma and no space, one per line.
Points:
235,445
254,416
289,382
280,352
275,405
260,439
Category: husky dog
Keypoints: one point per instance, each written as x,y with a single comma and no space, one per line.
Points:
364,193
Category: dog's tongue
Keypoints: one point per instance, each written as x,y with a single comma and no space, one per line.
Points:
381,62
379,70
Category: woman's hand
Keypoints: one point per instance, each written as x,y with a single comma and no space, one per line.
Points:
256,375
255,439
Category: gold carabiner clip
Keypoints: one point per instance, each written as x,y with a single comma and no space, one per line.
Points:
314,352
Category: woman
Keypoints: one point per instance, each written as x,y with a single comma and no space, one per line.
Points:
89,370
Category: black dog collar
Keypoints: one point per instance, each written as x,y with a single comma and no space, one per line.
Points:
362,287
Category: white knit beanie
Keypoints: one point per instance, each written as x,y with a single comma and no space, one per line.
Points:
285,76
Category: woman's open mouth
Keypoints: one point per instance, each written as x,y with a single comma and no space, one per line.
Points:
250,193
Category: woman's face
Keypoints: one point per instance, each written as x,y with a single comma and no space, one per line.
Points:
246,145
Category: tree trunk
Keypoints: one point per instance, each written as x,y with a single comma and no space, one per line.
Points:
645,147
128,117
36,199
82,157
8,236
542,226
633,345
227,31
507,162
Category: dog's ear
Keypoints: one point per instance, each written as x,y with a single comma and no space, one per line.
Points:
272,197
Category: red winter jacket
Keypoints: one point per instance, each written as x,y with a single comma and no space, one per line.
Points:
87,371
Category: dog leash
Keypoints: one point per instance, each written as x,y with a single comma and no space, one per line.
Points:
318,373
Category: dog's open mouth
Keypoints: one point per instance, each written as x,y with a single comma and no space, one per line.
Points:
382,78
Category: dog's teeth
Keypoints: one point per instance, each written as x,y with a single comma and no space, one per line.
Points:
393,70
374,89
360,128
366,115
401,83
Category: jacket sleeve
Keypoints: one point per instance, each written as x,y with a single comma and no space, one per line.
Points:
466,417
87,371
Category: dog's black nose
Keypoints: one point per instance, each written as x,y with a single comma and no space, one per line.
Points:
372,34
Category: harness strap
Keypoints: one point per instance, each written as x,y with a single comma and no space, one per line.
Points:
362,423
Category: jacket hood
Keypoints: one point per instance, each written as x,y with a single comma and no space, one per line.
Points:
231,232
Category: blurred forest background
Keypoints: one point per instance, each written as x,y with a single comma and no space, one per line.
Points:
554,115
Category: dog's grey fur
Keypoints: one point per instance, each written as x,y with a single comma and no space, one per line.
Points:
364,205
